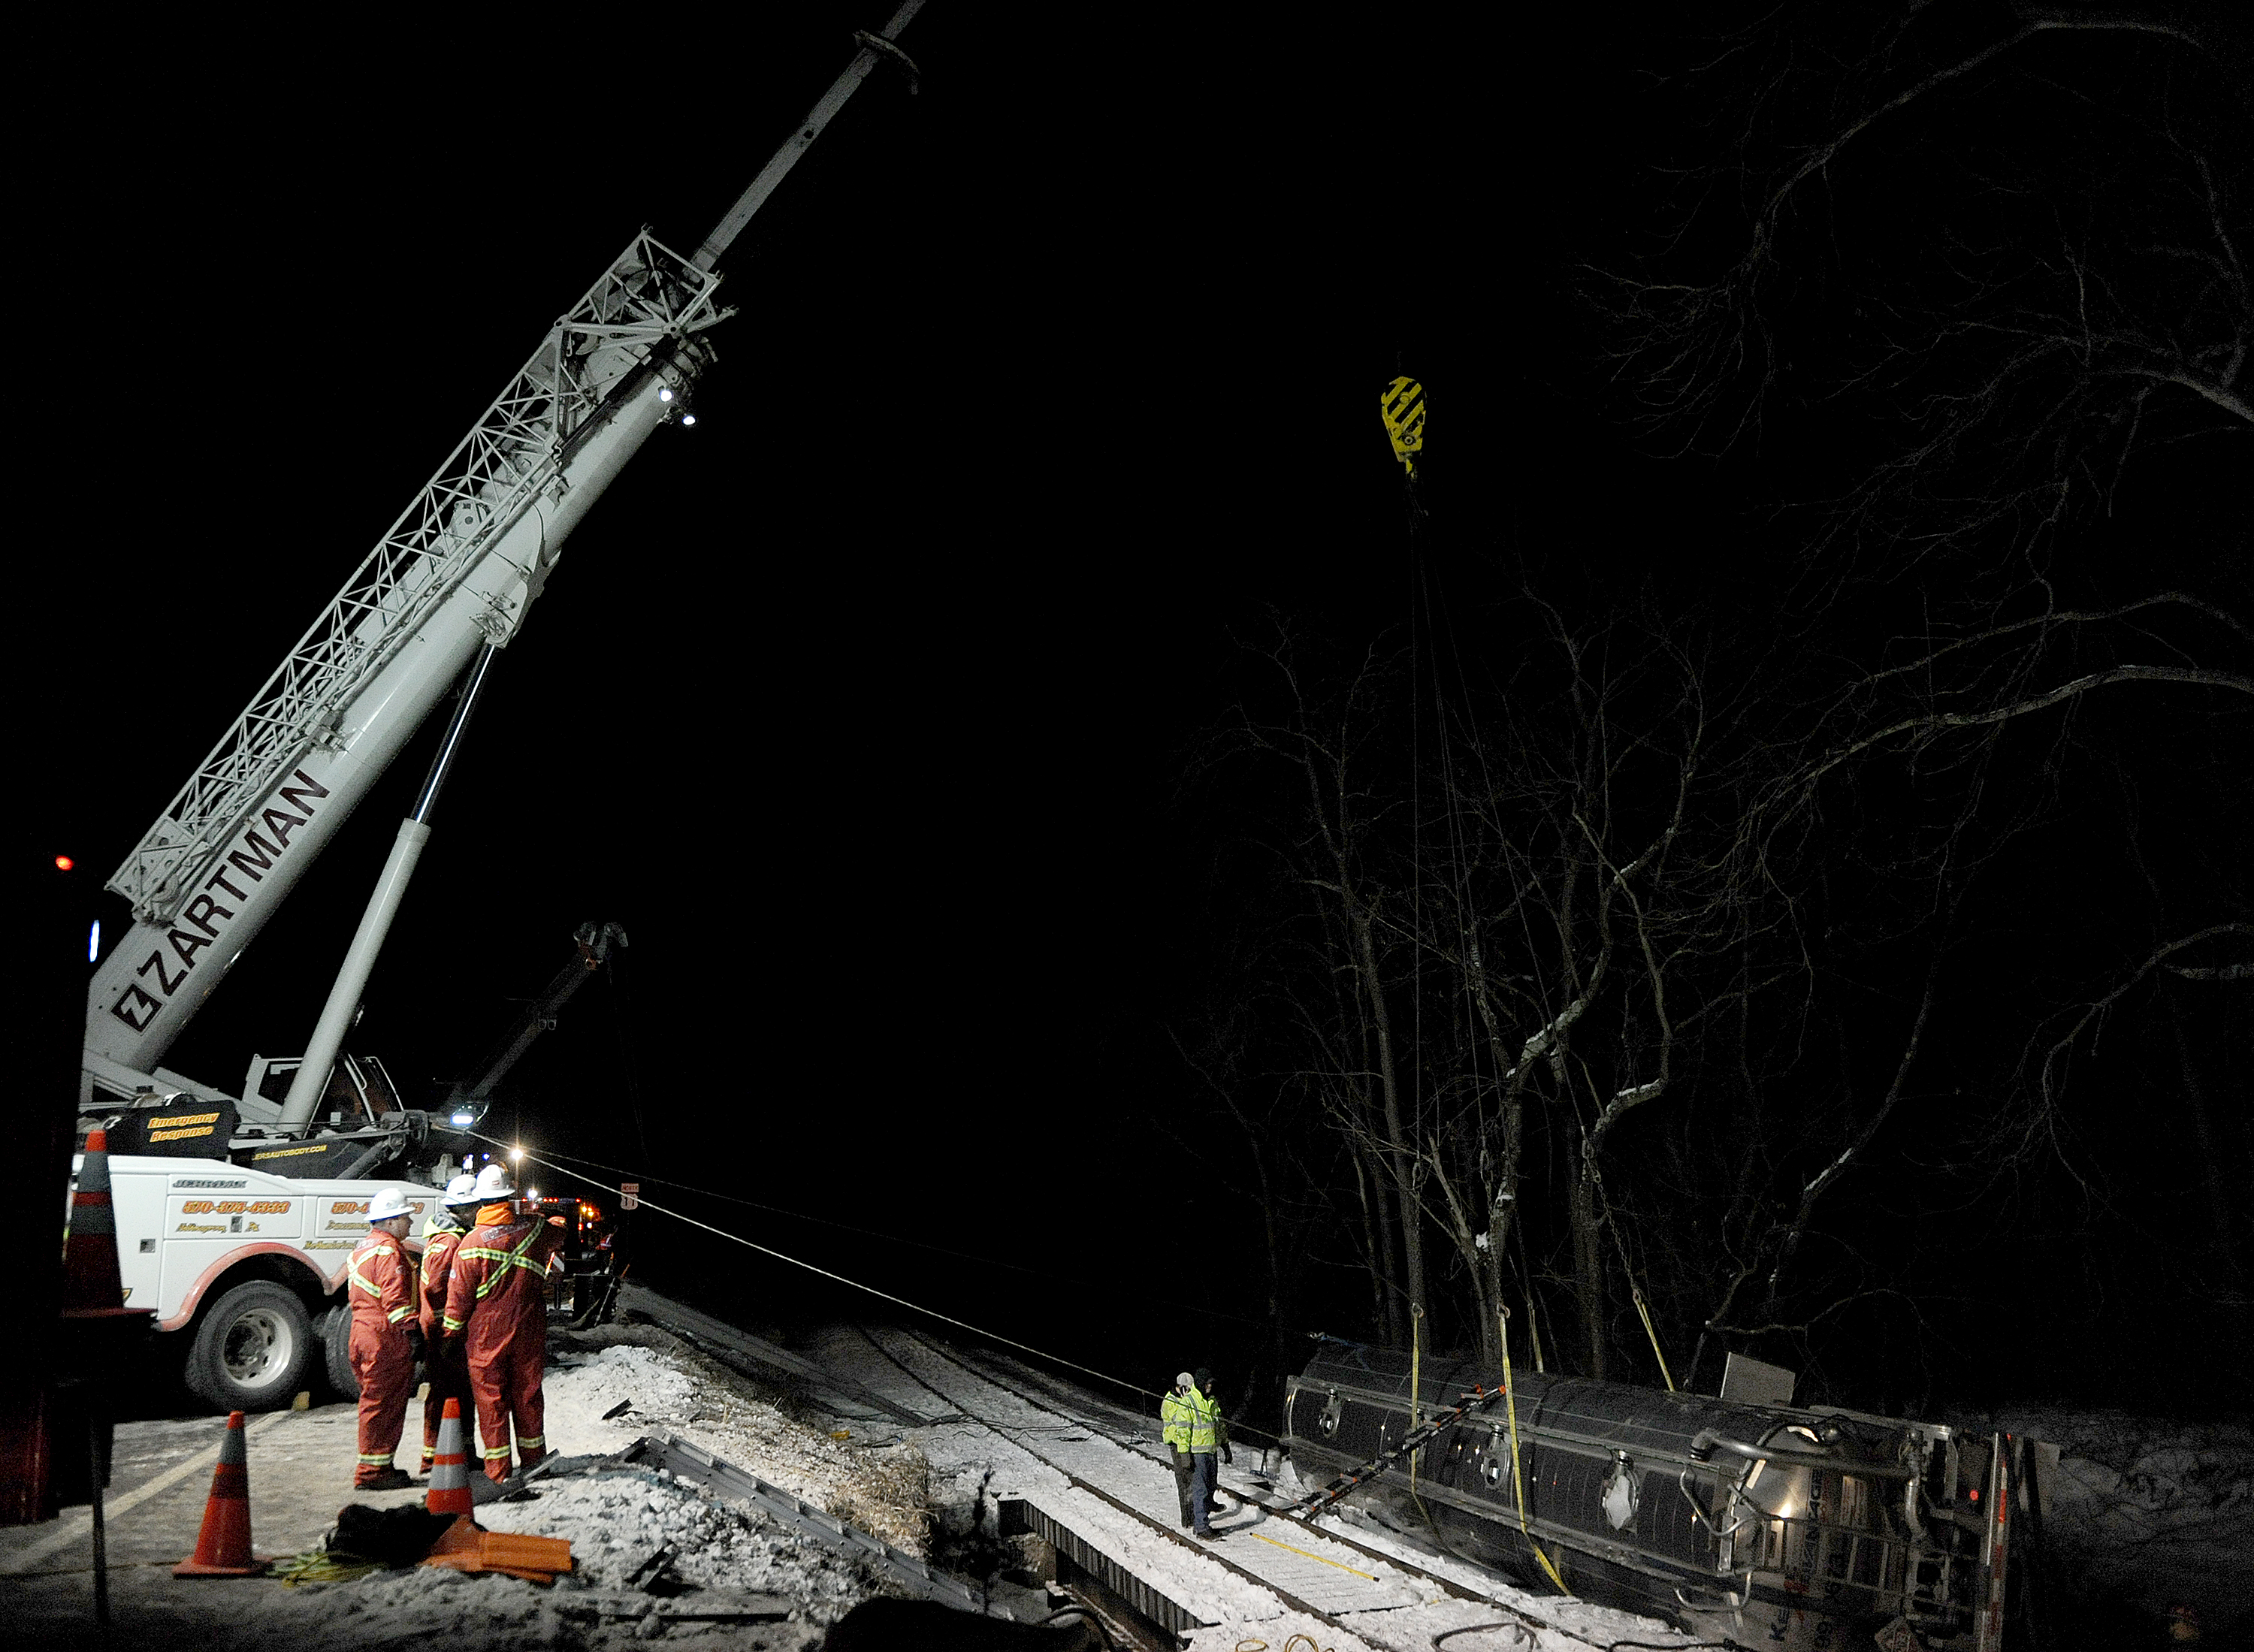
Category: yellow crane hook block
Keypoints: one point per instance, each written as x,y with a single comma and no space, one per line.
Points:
1402,406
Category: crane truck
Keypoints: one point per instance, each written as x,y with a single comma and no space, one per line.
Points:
235,1211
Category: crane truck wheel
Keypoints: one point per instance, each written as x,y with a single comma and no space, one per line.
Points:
336,1352
250,1348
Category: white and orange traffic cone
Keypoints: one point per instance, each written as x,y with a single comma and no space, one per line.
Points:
450,1469
91,1286
223,1544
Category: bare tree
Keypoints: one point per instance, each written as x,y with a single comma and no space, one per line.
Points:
1988,260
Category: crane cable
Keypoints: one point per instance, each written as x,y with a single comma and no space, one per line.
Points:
916,1307
847,1227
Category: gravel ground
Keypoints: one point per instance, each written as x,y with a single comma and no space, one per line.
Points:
878,1483
736,1577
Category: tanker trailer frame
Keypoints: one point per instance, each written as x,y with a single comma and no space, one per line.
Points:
1807,1528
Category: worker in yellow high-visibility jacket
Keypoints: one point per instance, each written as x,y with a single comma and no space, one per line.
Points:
1192,1427
1220,1446
1206,1432
1178,1416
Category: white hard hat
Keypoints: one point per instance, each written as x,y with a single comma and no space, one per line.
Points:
1182,1379
385,1205
463,1190
495,1182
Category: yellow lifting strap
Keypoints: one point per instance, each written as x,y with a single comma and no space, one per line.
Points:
1416,1392
1401,407
1517,1476
1651,1332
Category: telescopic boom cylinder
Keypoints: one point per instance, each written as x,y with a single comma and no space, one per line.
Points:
312,1076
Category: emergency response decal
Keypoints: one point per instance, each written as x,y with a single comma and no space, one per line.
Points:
190,1128
222,1216
165,970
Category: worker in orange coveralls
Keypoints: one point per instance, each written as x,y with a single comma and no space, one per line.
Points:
497,1304
386,1341
449,1377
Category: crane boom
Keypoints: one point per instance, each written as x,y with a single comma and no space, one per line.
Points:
457,569
454,574
782,160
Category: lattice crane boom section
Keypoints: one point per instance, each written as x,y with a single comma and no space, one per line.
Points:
648,300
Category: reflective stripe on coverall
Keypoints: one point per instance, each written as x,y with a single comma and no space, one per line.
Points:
497,1303
442,1362
379,1284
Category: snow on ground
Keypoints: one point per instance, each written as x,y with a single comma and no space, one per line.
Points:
1118,1449
2150,1513
2162,1511
420,1607
970,1463
727,1557
878,1486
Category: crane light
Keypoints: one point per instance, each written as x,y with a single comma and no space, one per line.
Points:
665,393
64,863
466,1118
94,942
689,418
516,1155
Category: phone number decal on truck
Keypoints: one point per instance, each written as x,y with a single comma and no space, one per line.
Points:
276,1216
351,1214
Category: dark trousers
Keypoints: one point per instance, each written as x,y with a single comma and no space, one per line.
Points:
1183,1473
1201,1488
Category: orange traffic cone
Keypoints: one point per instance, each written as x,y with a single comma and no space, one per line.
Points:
223,1544
450,1469
91,1287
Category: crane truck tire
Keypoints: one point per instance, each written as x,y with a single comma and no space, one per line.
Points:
251,1348
336,1351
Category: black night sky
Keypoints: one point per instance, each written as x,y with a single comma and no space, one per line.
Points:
888,708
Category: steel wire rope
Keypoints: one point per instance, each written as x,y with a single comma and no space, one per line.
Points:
1412,1196
915,1308
846,1227
1453,651
799,1216
1424,606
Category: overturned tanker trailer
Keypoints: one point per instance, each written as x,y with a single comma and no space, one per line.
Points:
1812,1530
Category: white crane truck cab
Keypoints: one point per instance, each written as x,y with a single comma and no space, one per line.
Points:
254,1261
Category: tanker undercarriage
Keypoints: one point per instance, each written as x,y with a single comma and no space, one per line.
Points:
1753,1524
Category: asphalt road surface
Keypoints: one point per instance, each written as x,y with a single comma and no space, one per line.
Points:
300,1472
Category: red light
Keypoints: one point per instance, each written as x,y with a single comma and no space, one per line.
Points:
64,863
1975,1494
